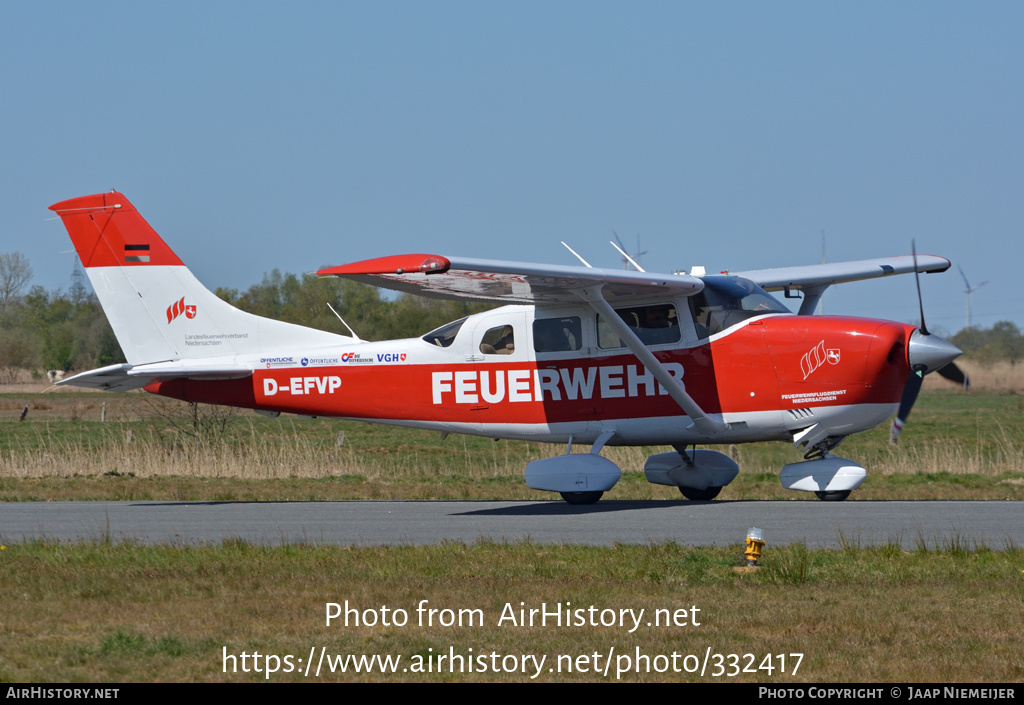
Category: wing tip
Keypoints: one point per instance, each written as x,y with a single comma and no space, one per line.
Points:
394,264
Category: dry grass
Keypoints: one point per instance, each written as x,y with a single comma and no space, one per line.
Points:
996,376
956,446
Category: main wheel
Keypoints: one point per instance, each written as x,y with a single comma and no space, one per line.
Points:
833,496
700,495
581,497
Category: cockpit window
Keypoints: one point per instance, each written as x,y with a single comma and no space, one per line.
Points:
726,301
445,335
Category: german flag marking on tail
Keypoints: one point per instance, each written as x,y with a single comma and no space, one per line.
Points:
142,250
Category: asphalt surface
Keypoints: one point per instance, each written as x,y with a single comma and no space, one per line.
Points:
995,524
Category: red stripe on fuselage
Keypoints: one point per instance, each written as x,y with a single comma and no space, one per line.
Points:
760,367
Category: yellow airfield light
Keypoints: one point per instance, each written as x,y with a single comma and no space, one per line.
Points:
755,544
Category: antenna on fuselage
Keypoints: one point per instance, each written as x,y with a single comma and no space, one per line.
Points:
343,322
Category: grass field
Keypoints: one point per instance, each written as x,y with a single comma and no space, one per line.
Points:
101,612
956,446
97,611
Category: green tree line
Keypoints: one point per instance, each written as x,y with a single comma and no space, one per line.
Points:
67,330
1003,341
304,300
54,331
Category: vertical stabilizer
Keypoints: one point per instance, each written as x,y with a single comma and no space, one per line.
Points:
159,311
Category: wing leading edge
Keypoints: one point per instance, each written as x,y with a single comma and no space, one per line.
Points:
507,282
529,283
823,275
813,279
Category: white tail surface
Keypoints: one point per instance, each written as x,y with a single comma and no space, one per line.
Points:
158,310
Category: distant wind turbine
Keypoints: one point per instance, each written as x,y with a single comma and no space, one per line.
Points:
968,290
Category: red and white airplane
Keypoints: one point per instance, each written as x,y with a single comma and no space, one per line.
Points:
578,354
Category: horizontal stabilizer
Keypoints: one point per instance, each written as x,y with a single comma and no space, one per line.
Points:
123,377
112,378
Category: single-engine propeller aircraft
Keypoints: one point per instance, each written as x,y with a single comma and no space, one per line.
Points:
576,354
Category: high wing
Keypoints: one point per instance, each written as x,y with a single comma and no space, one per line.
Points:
813,279
507,282
524,283
815,275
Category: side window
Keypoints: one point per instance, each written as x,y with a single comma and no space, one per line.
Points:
498,341
606,337
654,325
557,334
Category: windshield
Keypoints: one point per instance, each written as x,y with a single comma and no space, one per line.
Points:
726,301
445,335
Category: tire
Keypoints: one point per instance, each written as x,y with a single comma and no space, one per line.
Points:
581,497
833,496
700,495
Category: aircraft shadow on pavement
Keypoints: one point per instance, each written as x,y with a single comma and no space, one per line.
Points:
519,508
603,507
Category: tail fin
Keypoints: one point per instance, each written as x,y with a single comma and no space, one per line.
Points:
159,311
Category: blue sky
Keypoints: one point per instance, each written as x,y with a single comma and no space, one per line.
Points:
261,135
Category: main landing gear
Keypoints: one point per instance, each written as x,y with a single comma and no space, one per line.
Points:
699,474
832,496
581,497
696,495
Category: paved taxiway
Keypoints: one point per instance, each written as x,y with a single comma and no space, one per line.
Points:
992,523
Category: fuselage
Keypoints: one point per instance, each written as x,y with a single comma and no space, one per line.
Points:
554,373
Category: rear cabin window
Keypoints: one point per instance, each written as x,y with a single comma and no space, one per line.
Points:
557,334
654,325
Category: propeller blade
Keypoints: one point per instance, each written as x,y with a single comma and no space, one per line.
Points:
926,354
955,374
917,280
910,392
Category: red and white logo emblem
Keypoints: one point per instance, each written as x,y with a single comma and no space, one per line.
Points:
178,308
813,359
816,357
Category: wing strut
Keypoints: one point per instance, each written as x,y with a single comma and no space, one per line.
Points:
593,296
